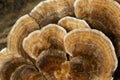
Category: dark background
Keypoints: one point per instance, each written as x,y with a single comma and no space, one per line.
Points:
10,11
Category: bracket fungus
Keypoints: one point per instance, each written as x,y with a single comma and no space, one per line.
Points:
102,15
50,36
50,61
64,40
70,23
96,51
20,30
27,72
8,63
50,11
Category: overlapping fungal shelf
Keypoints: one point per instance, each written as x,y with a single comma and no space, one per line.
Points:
64,40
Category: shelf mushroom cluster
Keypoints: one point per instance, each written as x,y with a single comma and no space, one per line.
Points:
64,40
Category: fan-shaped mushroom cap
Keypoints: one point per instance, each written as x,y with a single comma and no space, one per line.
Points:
70,23
20,30
8,63
51,11
49,36
102,15
50,61
32,43
54,35
27,72
95,47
